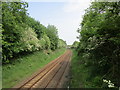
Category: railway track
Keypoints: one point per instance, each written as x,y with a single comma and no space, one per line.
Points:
53,75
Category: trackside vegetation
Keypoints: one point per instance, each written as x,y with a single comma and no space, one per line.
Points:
27,45
98,52
22,34
75,44
79,73
25,66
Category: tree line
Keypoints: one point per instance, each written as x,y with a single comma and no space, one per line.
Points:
23,34
99,44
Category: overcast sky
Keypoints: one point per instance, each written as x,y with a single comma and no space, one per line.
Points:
66,16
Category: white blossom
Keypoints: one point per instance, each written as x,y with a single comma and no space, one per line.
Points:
109,83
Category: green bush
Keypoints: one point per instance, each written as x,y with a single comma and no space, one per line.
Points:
29,40
22,34
99,40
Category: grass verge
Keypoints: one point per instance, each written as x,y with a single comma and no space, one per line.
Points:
80,74
25,66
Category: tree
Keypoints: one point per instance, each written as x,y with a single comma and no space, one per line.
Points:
38,28
52,33
75,44
13,19
61,43
22,34
100,33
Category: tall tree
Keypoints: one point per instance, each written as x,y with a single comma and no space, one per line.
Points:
100,33
52,33
13,19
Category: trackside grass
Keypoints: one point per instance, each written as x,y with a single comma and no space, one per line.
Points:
79,73
81,76
25,66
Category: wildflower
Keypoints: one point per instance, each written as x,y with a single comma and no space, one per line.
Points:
105,81
109,83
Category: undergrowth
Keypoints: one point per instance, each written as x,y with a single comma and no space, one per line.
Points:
25,66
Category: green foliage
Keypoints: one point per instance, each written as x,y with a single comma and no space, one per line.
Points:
52,33
38,28
61,43
29,40
22,34
13,19
45,42
80,74
100,43
24,67
75,44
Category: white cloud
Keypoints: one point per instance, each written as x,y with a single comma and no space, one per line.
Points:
67,19
76,5
75,9
67,28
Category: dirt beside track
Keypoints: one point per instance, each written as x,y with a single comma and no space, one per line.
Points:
53,75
